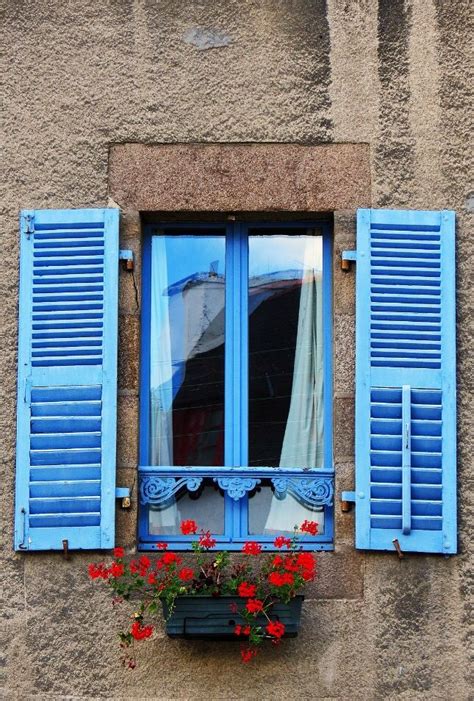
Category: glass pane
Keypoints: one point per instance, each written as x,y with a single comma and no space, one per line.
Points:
269,514
205,506
187,350
285,351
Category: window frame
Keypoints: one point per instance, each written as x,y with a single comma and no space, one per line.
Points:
236,232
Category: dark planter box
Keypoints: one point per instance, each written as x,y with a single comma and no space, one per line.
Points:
207,617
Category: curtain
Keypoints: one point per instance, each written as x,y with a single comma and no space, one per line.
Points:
161,381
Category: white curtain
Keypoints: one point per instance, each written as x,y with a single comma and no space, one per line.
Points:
303,440
161,381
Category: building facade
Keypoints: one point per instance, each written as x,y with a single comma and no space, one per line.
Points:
245,111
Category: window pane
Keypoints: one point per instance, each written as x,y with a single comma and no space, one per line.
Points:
269,514
187,350
285,351
205,506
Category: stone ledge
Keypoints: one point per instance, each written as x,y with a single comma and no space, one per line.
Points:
240,177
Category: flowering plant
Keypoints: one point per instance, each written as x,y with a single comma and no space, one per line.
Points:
259,582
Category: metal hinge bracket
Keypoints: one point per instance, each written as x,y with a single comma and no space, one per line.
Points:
28,227
347,498
126,255
123,493
348,257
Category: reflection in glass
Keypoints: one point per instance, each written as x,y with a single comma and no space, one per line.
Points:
269,514
187,350
206,506
285,351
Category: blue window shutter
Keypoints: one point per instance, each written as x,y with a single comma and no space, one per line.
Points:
405,381
67,377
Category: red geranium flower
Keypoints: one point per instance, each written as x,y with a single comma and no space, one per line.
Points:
245,589
279,580
251,548
188,527
162,546
170,558
275,629
306,561
98,571
116,569
247,654
140,632
291,564
144,562
281,541
278,561
205,540
310,527
254,605
151,578
119,552
186,574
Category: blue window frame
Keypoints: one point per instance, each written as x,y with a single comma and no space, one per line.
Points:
236,485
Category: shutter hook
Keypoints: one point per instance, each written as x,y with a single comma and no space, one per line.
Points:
66,549
398,549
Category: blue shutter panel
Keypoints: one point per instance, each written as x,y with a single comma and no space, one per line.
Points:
67,376
405,381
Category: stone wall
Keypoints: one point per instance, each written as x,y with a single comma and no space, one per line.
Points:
86,79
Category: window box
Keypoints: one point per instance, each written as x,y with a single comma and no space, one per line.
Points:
208,617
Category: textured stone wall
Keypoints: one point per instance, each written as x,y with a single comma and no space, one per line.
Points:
82,76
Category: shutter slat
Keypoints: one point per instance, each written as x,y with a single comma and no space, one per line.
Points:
79,472
405,464
67,380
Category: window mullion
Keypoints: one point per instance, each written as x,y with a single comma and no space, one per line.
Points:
243,323
236,363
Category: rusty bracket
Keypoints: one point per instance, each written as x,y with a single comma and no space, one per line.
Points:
126,255
347,499
348,257
66,549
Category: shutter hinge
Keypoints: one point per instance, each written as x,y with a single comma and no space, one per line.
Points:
126,255
348,257
347,498
123,493
29,225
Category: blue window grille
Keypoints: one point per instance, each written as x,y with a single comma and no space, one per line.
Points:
236,479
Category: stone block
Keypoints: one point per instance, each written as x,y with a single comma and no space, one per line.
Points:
130,227
344,354
126,520
130,281
344,439
240,177
129,352
127,431
343,281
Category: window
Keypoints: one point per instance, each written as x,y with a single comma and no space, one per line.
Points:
236,419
